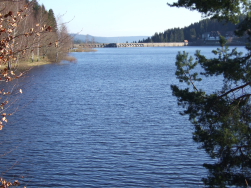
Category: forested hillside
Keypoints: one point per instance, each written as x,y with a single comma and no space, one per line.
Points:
29,28
193,32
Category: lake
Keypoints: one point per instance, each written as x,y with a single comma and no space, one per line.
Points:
109,120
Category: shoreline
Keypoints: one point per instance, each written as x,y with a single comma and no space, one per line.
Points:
28,64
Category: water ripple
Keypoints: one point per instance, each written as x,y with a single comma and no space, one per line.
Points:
108,121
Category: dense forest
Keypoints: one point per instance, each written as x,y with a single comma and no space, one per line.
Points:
193,32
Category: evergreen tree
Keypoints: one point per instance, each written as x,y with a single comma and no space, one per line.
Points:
36,8
52,20
192,33
221,118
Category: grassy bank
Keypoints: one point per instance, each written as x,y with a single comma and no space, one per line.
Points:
41,61
35,62
79,49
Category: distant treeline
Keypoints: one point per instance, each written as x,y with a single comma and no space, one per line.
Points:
193,32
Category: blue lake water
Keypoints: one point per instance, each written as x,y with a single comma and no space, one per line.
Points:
109,120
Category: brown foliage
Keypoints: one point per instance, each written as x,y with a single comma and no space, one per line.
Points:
16,41
6,184
22,35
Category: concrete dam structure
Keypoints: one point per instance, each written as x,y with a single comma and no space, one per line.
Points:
128,45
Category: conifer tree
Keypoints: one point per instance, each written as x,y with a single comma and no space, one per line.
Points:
222,117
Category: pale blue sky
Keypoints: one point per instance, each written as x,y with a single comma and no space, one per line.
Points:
115,18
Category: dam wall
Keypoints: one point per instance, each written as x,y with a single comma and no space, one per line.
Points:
123,45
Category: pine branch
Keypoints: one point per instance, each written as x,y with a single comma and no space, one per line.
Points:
234,89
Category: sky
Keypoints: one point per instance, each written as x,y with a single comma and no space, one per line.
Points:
116,18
